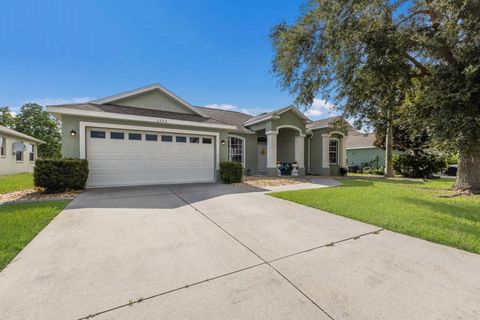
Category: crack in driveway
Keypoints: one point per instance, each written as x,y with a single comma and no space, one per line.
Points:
264,262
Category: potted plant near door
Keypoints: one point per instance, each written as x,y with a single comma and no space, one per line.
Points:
294,170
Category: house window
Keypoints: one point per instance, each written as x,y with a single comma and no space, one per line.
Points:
167,138
235,149
31,152
3,146
180,139
117,135
194,140
19,155
151,137
97,134
333,151
207,140
134,136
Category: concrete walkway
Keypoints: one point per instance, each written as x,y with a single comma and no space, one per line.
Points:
212,251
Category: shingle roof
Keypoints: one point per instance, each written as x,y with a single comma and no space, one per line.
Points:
11,132
327,122
233,118
267,115
359,140
139,112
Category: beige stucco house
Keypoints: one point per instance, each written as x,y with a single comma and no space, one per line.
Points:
18,151
151,136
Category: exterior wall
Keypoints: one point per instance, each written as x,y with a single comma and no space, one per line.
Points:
316,154
71,145
154,100
9,165
358,157
289,118
251,147
315,160
286,145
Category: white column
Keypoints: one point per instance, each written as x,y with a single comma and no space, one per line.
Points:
343,157
299,150
325,151
271,149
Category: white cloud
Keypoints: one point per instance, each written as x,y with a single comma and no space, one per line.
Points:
229,107
319,107
54,101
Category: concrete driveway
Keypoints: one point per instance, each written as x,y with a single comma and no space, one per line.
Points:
222,252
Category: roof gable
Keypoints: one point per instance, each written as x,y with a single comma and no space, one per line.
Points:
153,96
275,115
10,132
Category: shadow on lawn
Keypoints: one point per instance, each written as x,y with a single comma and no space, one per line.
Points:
468,210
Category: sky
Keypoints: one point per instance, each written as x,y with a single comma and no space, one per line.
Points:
213,53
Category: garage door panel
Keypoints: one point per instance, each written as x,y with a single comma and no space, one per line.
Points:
135,162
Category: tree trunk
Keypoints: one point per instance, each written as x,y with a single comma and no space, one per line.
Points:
389,173
468,174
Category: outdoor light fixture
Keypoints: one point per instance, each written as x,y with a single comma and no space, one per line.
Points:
223,141
73,133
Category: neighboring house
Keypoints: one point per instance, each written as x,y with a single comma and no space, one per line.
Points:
18,151
150,135
362,152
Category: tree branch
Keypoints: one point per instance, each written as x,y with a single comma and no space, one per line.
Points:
424,12
421,67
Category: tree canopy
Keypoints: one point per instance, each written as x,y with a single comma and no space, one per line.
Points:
371,57
7,119
38,123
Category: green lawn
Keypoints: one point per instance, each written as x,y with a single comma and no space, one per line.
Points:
419,209
16,182
20,223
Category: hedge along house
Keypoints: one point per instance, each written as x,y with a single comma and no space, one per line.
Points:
18,151
151,136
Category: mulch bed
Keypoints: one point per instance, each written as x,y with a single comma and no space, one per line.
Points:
261,181
31,195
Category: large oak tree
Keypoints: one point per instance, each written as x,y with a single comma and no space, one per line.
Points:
367,55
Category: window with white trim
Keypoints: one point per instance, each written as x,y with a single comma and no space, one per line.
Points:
235,149
3,146
31,152
333,152
19,155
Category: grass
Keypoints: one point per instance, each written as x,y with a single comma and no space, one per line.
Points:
416,208
20,223
16,182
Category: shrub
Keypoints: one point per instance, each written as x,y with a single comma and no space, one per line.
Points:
418,165
343,172
231,172
60,175
452,159
375,171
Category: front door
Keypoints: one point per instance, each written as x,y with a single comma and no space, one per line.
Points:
262,158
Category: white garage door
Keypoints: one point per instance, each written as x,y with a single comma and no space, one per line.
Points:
123,157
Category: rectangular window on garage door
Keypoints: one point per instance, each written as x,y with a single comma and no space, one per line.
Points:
180,139
97,134
117,135
151,137
167,138
134,136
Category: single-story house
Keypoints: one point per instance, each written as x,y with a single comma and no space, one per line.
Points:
151,136
18,151
362,152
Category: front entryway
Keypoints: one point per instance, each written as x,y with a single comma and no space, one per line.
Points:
123,157
262,158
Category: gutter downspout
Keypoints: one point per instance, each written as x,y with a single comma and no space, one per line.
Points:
308,152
